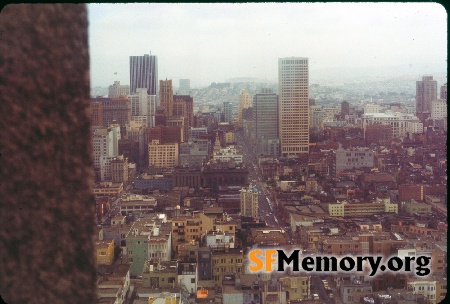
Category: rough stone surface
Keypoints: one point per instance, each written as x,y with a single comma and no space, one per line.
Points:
46,219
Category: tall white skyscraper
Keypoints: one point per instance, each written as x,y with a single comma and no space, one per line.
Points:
293,83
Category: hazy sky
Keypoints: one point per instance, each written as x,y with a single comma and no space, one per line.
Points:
212,42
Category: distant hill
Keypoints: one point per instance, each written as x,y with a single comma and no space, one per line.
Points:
413,72
245,79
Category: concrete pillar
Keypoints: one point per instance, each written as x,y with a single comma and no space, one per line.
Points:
46,205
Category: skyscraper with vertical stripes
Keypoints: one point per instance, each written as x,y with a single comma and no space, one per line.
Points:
144,73
293,83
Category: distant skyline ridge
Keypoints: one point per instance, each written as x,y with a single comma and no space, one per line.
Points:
213,42
321,75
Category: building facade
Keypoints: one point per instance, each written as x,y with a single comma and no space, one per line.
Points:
245,102
293,82
249,201
144,73
265,119
426,93
118,90
183,107
162,155
353,158
166,96
227,112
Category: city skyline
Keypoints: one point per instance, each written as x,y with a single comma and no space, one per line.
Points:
214,42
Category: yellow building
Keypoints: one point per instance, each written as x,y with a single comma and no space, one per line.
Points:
228,261
188,229
298,287
162,155
412,207
185,229
230,138
104,252
361,209
108,188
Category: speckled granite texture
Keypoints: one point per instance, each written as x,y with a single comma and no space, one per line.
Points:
46,219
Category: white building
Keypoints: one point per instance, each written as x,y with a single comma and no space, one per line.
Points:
160,243
143,105
371,108
219,239
188,276
397,120
293,82
105,142
439,109
353,158
118,90
102,142
331,112
229,153
312,110
249,201
414,127
115,128
427,288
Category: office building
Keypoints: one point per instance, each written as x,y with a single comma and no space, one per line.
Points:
353,158
245,102
439,109
426,93
162,155
345,108
371,108
118,90
143,104
185,85
96,112
144,73
293,82
398,121
114,110
249,201
227,112
443,92
361,209
183,106
265,119
166,96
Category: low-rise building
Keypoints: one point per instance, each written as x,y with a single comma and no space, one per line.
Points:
137,203
345,208
104,252
148,238
226,261
108,189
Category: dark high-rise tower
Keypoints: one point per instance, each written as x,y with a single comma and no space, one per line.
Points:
144,73
265,119
345,108
426,93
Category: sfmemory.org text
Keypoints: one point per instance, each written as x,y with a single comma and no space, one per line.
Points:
265,259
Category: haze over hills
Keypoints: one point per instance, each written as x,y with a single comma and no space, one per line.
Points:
343,75
362,74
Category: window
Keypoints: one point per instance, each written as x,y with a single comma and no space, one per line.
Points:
192,280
